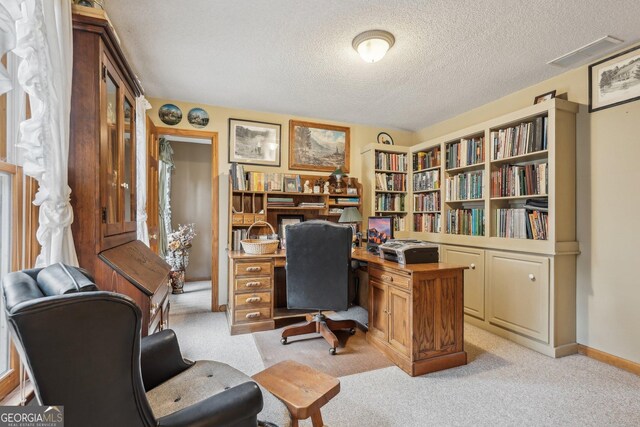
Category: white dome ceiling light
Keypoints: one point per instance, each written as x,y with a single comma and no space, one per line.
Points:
372,45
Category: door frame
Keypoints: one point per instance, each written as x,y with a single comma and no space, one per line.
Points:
215,226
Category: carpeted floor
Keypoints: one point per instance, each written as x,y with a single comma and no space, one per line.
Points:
504,384
355,354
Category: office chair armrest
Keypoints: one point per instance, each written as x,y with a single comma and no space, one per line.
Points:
237,406
160,358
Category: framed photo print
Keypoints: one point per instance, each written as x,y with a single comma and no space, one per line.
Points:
254,143
615,80
545,96
283,222
318,147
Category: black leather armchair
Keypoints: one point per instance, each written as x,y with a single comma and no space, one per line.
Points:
82,349
318,263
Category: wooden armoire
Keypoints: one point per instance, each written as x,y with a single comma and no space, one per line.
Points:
102,171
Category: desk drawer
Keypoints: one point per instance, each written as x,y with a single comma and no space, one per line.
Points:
252,284
252,315
253,268
254,299
389,277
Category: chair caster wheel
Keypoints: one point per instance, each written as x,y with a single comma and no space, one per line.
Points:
352,331
283,340
332,351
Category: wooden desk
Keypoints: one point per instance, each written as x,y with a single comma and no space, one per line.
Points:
415,311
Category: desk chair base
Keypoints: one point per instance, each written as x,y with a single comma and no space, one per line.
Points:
321,324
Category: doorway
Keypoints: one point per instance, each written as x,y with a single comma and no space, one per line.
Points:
187,205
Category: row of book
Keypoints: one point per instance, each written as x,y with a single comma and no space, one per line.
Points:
514,180
347,200
467,222
426,160
389,202
521,223
391,182
427,202
275,202
465,152
429,223
237,235
464,186
399,223
524,138
429,180
311,205
238,179
391,162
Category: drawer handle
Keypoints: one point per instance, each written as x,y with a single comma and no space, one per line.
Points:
254,269
253,315
154,309
472,266
252,284
254,299
532,277
387,277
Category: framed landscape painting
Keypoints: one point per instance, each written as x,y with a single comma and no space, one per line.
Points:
254,143
318,147
614,80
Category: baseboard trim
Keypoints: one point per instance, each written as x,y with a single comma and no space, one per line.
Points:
610,359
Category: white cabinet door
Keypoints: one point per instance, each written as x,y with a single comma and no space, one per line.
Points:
518,293
473,276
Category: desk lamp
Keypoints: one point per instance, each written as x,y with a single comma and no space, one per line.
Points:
338,174
351,215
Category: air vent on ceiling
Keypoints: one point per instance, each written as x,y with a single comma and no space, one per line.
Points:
588,51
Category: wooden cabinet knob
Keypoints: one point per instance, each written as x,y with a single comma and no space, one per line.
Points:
253,315
387,278
252,284
253,299
472,266
124,185
254,269
532,277
154,236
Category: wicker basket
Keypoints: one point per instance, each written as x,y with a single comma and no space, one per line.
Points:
257,246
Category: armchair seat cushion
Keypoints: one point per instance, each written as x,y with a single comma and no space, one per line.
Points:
204,379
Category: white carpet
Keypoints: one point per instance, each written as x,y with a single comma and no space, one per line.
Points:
504,384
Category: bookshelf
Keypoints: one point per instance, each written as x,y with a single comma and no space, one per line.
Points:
252,203
507,194
427,198
386,183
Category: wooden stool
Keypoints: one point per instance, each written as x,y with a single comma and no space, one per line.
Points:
303,389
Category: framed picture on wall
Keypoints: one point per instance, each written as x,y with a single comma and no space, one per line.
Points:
283,222
254,143
615,80
318,147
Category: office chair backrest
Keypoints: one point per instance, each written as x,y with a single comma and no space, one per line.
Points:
318,259
81,349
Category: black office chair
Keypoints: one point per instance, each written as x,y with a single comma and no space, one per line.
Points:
317,270
82,349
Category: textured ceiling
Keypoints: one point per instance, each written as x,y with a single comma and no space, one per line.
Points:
295,57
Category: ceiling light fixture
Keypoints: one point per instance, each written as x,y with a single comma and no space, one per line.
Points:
372,45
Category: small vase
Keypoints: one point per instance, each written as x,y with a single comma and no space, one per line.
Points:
177,281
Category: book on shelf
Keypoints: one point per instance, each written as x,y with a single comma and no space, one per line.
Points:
263,181
429,222
527,137
426,201
391,161
465,152
468,222
464,186
428,180
336,210
522,223
273,202
311,205
520,180
389,202
347,200
238,179
236,236
426,159
391,182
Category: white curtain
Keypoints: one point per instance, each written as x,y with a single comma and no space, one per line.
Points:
9,14
142,105
45,46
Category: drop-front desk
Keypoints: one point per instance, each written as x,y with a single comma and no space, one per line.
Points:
415,311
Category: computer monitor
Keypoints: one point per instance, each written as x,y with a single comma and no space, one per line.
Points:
379,230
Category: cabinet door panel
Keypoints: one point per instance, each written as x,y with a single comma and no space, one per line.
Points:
398,312
519,293
378,318
128,184
473,277
111,169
